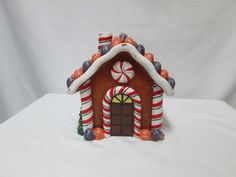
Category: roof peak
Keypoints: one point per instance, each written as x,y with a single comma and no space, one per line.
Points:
111,53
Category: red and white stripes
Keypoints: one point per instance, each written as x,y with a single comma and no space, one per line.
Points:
104,39
122,71
86,105
157,112
106,108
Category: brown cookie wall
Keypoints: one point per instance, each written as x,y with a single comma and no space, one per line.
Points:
102,81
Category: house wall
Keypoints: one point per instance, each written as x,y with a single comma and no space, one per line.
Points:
102,81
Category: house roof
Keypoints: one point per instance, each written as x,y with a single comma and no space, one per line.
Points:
123,47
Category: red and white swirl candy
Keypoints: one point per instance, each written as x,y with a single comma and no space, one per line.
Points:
122,71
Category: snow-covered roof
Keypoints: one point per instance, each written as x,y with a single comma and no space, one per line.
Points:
123,47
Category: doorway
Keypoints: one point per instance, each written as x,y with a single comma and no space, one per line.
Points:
122,111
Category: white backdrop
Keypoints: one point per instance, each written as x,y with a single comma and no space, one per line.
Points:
42,42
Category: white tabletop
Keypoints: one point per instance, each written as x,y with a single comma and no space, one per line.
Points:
42,141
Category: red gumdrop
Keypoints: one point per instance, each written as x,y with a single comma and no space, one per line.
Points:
145,134
95,56
164,73
77,73
149,56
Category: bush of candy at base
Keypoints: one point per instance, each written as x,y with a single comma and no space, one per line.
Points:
99,133
89,134
157,135
145,134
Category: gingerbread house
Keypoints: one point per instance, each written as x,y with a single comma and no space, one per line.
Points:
121,89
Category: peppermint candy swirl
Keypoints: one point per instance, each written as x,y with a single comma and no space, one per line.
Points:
122,71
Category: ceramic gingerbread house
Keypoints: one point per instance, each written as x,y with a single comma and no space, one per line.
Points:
121,89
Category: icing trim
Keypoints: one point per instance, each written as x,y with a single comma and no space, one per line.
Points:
124,47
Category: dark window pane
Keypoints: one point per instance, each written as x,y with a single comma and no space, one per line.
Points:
127,109
116,108
116,119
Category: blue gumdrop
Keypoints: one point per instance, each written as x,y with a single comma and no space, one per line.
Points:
140,49
157,66
86,66
171,82
155,134
105,49
123,36
89,135
69,82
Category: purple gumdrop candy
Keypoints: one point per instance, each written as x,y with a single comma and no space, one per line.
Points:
123,36
155,134
157,66
89,134
105,49
140,49
86,66
171,82
69,82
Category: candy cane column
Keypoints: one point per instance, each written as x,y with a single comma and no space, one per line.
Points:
106,108
157,112
86,105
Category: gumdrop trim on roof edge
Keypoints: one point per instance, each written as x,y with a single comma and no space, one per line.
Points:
148,66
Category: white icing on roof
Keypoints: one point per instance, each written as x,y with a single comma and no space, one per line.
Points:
148,66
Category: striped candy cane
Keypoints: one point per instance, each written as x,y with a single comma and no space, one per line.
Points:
106,108
86,105
157,112
104,39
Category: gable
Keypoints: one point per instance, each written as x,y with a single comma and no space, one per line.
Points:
131,50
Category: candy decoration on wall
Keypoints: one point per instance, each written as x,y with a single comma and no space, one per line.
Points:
104,39
157,112
86,105
122,71
106,108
